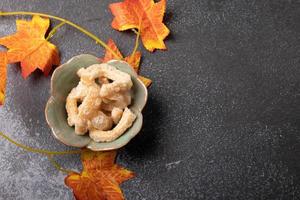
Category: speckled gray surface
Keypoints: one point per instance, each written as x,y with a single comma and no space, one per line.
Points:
223,118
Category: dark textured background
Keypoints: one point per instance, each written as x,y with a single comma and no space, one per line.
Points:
223,116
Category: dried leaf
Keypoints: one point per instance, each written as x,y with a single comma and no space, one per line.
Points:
145,15
100,178
133,60
108,55
3,65
147,82
29,46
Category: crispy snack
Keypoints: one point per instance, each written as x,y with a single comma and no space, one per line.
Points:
121,81
91,102
126,121
81,126
103,93
116,114
71,107
88,75
101,122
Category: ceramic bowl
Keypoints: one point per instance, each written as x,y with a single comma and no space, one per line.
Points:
64,79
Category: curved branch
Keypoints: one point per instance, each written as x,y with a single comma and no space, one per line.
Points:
40,151
91,35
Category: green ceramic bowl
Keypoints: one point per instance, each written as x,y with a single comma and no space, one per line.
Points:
64,79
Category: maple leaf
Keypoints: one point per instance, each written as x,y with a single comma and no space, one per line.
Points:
3,64
147,82
133,60
29,46
108,55
145,15
100,178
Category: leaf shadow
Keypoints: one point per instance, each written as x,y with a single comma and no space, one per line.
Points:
170,37
36,75
167,18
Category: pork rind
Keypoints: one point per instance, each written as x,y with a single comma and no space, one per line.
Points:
126,121
99,103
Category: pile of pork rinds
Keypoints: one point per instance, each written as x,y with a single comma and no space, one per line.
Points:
99,103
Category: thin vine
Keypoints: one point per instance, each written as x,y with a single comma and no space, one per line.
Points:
40,151
48,153
54,30
81,29
136,46
58,166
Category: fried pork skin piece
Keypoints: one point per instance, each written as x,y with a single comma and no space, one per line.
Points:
101,88
109,105
89,75
101,122
121,81
117,92
81,126
72,110
71,107
126,122
76,95
116,114
91,102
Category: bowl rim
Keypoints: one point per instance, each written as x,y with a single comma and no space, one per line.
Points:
88,146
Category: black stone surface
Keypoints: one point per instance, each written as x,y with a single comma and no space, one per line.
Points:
223,117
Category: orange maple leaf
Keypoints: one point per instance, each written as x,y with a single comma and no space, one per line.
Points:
29,46
133,60
145,15
3,64
100,178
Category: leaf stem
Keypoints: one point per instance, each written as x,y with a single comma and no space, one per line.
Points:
58,166
91,35
54,30
136,46
40,151
135,31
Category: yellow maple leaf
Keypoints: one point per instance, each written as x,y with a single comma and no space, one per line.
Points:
145,15
3,64
29,46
